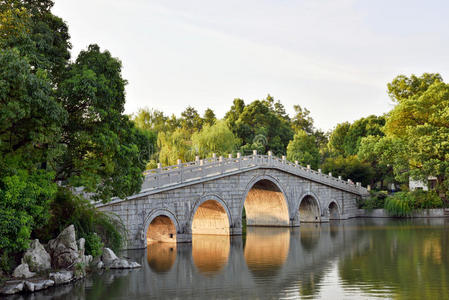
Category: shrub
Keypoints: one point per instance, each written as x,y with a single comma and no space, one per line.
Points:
403,203
376,200
399,204
427,199
69,209
94,245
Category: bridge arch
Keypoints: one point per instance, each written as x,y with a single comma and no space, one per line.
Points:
309,208
210,215
334,210
160,226
265,202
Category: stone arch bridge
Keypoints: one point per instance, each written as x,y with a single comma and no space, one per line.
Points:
211,196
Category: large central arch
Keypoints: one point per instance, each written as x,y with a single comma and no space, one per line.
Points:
265,203
211,216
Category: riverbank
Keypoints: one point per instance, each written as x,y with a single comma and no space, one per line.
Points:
59,262
422,213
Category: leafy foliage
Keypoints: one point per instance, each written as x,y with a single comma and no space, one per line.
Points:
217,139
303,148
349,168
402,204
69,209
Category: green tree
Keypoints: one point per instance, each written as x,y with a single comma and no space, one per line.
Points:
302,120
175,145
373,150
403,87
104,152
361,128
29,118
209,117
303,148
419,124
234,113
349,168
337,139
217,139
258,124
191,120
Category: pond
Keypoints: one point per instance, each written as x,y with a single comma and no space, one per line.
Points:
352,259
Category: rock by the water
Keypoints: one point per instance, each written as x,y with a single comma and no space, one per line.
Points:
36,257
64,249
81,246
23,271
134,265
88,259
12,288
124,264
61,277
119,264
33,286
108,256
99,265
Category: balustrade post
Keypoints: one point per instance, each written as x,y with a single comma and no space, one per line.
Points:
284,159
158,177
238,158
180,169
230,155
197,159
339,178
220,159
330,174
308,167
319,170
270,154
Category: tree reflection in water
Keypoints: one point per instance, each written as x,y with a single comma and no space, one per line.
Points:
408,259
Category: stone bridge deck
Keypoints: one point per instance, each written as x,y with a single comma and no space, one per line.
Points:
208,197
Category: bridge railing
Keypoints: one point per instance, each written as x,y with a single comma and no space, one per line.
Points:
210,167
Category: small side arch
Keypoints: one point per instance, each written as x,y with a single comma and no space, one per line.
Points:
160,225
309,208
334,210
210,215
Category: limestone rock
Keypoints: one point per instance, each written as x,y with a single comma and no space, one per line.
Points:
13,288
134,265
99,265
119,264
61,277
33,286
124,264
36,257
64,249
23,271
88,259
108,256
81,246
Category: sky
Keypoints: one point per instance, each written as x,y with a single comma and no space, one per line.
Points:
333,57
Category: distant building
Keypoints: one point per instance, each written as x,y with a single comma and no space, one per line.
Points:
421,185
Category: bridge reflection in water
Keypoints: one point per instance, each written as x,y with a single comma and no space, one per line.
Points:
210,253
266,249
352,259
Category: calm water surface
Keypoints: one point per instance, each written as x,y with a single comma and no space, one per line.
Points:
353,259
